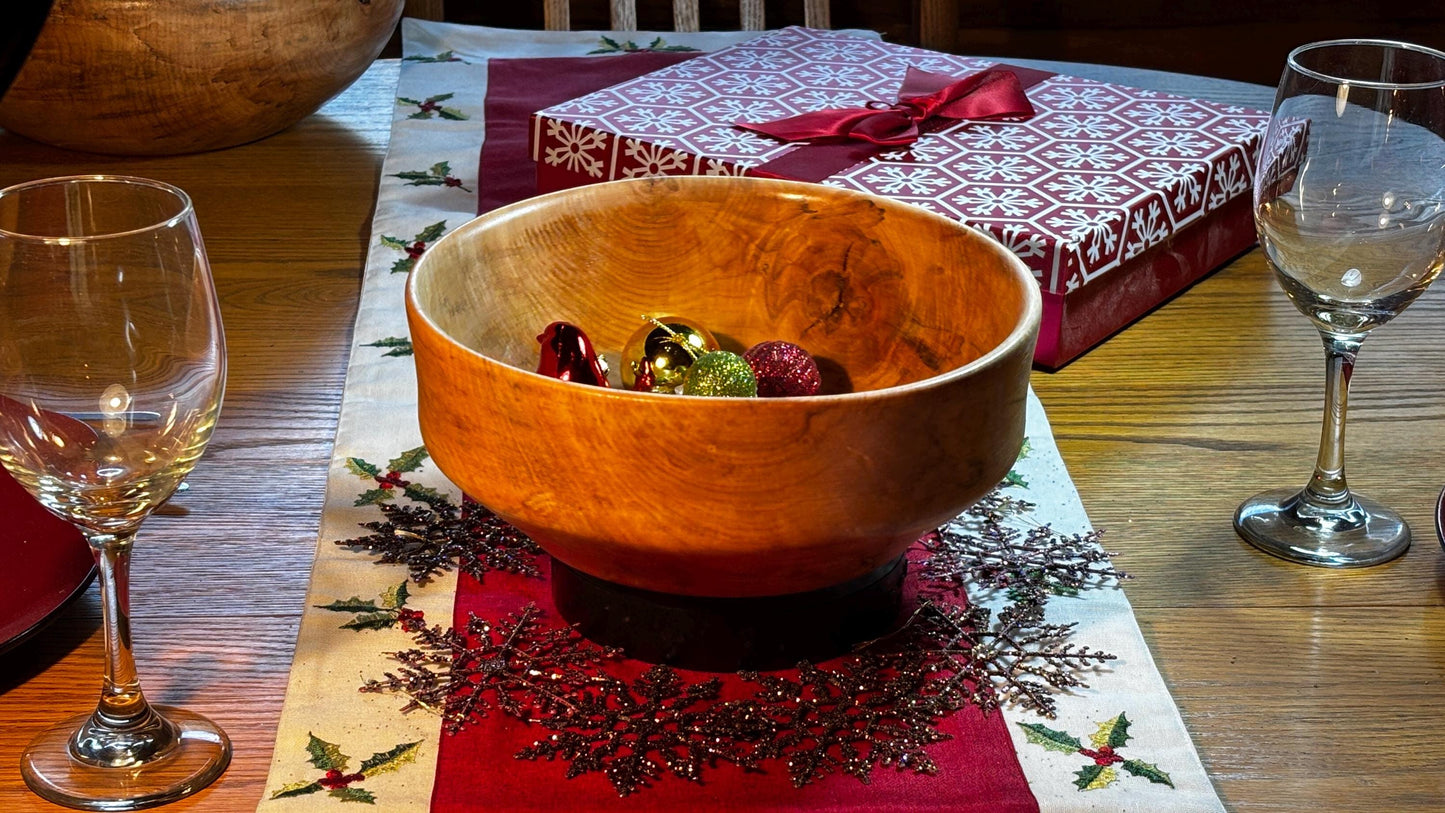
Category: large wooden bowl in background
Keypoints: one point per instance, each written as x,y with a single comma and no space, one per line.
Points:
160,77
929,324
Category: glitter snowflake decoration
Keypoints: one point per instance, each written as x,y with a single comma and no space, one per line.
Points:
982,550
870,711
432,534
635,732
514,665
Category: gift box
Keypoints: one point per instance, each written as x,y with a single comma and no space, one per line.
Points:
1117,198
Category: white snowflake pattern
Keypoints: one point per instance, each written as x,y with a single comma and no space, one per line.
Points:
751,84
592,103
1239,129
998,137
664,93
652,160
984,167
845,76
1166,114
818,99
754,59
1076,188
650,120
782,38
575,144
1161,144
1076,126
925,203
1072,155
839,50
897,180
1093,230
1011,201
752,110
1186,181
1020,239
1148,227
898,66
1230,181
716,166
730,141
927,149
691,69
1069,97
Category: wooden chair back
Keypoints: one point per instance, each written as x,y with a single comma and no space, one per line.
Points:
557,14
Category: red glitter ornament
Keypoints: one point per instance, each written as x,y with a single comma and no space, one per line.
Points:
783,370
567,354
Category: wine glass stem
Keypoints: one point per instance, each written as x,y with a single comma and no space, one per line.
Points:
124,730
1327,489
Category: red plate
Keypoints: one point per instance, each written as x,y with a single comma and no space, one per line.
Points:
47,564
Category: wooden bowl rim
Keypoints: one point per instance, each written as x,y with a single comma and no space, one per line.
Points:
1023,331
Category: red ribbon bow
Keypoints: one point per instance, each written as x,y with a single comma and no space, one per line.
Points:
992,94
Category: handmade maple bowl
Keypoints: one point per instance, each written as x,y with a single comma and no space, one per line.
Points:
924,330
160,77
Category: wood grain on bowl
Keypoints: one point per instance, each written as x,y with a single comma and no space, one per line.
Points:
163,77
933,324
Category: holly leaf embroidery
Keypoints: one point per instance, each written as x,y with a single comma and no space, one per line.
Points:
387,761
1013,478
431,232
355,604
380,620
361,468
441,169
1113,733
1040,734
394,598
1148,771
409,460
1093,777
424,494
353,795
326,755
297,789
373,496
396,346
444,56
393,242
403,265
370,615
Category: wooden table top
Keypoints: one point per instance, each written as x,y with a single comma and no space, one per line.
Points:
1303,688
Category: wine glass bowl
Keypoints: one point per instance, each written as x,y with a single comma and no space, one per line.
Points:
1349,202
112,366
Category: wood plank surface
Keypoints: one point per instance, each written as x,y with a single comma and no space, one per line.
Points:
1304,689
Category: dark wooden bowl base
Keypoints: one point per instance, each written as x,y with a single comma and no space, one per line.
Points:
728,634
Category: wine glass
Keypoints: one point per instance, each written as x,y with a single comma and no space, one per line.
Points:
112,364
1349,202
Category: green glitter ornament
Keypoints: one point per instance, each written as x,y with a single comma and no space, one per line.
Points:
721,373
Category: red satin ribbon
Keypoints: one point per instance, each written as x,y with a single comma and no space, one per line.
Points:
992,94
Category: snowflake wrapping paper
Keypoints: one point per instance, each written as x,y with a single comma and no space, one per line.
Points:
1116,197
337,748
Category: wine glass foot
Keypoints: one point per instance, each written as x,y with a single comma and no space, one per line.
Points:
201,752
1281,523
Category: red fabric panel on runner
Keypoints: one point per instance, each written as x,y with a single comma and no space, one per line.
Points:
978,769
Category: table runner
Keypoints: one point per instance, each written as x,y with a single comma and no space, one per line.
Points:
1116,743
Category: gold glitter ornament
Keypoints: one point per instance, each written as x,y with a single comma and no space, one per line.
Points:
671,344
721,373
